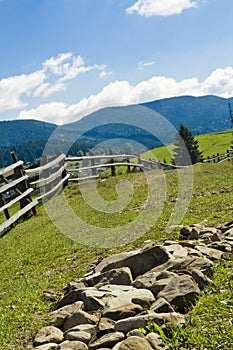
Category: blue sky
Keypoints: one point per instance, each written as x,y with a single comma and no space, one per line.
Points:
61,59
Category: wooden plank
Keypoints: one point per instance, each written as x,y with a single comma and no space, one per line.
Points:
10,169
108,156
12,184
42,182
46,166
18,215
18,198
54,189
109,165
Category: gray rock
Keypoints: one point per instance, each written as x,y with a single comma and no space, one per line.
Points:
201,279
49,334
133,343
89,328
140,321
60,315
120,276
106,325
48,346
79,317
136,333
149,280
181,291
161,306
82,336
155,341
128,304
176,250
94,299
71,297
118,310
115,290
139,261
73,345
212,254
107,340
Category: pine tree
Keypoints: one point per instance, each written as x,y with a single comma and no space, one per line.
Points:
186,148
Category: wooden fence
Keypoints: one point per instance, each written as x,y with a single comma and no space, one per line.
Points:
49,177
218,158
15,190
88,167
17,183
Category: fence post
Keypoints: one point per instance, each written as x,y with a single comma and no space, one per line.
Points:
128,166
228,155
23,186
113,171
139,161
2,203
93,171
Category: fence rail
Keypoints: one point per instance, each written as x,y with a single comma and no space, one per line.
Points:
218,158
14,189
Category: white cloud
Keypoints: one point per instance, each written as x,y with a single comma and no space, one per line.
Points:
150,8
219,82
52,78
142,65
12,89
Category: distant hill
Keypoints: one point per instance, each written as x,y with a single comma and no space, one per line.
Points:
15,132
139,123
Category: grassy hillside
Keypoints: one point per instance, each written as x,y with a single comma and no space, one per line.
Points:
209,144
36,257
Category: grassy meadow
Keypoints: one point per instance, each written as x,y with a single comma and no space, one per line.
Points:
209,144
35,256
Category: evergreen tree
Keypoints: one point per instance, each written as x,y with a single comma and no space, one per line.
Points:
186,148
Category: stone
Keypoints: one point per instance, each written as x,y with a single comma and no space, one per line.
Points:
119,310
128,304
82,336
229,232
155,341
176,250
89,328
49,334
139,261
181,292
201,279
161,306
133,343
136,333
140,321
120,276
107,340
60,315
93,299
70,298
106,325
150,280
79,317
73,345
213,254
48,346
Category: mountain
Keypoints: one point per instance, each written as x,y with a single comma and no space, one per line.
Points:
15,132
148,124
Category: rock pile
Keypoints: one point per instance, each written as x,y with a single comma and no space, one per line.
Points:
159,283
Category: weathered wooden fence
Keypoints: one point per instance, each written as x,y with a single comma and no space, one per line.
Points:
218,158
88,167
49,177
14,190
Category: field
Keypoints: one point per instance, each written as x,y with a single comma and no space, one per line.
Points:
35,256
209,144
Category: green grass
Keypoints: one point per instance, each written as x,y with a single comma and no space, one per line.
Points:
35,256
209,144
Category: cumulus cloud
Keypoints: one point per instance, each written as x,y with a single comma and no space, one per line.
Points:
11,89
150,8
219,82
51,78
